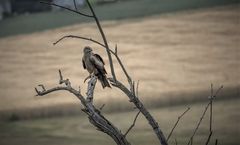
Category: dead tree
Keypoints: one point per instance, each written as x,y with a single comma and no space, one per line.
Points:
131,90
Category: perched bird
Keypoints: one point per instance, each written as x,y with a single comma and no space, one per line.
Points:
95,66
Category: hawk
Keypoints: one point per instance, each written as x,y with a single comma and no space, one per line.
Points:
95,65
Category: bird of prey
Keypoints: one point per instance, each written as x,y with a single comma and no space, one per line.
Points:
95,66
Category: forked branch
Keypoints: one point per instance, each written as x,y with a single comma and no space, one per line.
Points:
211,98
179,117
94,114
66,87
75,11
190,142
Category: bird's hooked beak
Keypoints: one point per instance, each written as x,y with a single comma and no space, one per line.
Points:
87,49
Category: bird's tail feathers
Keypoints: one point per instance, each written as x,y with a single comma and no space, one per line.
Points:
103,79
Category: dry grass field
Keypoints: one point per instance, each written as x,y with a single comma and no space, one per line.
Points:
78,131
172,55
175,56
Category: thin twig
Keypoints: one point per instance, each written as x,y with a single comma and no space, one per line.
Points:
204,112
210,117
211,114
121,64
104,40
134,121
176,143
211,100
67,87
102,107
56,5
216,142
43,88
75,5
79,37
60,76
137,94
209,137
61,81
209,104
179,117
219,89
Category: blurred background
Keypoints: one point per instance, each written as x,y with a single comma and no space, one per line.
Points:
176,49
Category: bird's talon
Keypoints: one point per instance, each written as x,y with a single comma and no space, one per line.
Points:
88,77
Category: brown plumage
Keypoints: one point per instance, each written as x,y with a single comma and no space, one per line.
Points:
95,65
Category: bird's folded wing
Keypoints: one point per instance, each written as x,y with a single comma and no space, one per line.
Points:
96,62
83,63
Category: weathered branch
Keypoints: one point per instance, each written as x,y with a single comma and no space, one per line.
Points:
179,117
134,121
62,81
53,4
91,86
93,113
135,100
67,87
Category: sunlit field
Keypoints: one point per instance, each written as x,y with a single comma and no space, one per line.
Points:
175,56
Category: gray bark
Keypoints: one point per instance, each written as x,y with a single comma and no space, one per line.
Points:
135,100
94,115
